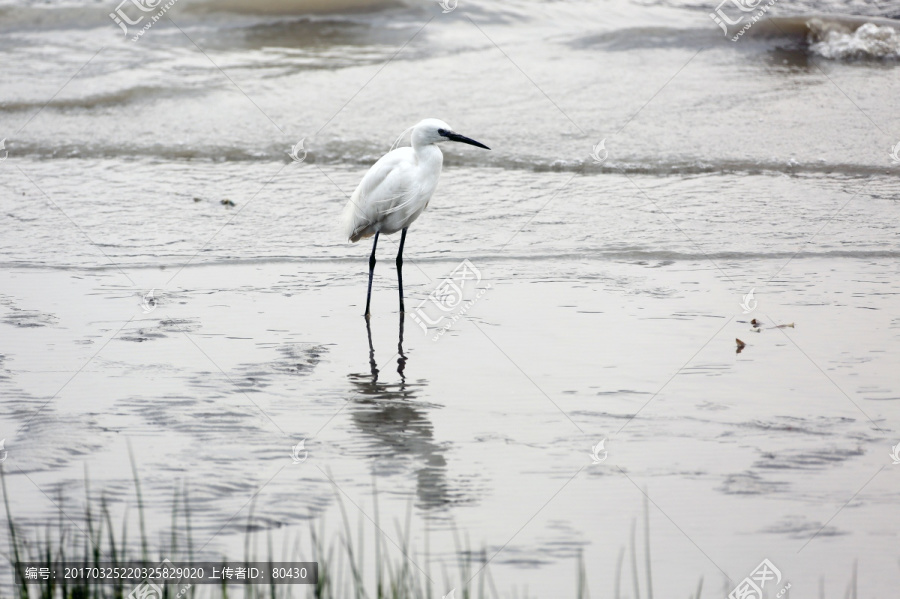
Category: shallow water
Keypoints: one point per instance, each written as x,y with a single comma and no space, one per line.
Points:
608,303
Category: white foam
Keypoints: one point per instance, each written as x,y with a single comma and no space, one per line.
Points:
867,41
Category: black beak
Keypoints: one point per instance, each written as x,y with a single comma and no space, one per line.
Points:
466,140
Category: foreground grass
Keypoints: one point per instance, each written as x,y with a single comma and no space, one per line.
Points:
341,562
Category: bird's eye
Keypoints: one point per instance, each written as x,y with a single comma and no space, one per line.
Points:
443,132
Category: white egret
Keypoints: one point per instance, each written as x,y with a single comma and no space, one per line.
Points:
396,189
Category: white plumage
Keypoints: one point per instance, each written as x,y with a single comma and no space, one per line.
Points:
393,193
397,188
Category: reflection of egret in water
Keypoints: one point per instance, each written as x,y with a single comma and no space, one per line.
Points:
390,414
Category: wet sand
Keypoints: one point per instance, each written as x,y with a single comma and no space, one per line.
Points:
491,426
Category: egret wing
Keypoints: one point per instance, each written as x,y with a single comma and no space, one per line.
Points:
383,197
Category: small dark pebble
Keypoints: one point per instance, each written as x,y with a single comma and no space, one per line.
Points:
227,202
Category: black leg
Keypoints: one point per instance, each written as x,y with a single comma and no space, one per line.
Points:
400,269
371,272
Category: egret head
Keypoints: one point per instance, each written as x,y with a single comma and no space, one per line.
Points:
432,131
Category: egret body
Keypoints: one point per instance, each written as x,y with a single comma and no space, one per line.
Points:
396,189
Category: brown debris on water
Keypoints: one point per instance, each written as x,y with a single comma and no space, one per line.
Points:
740,345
